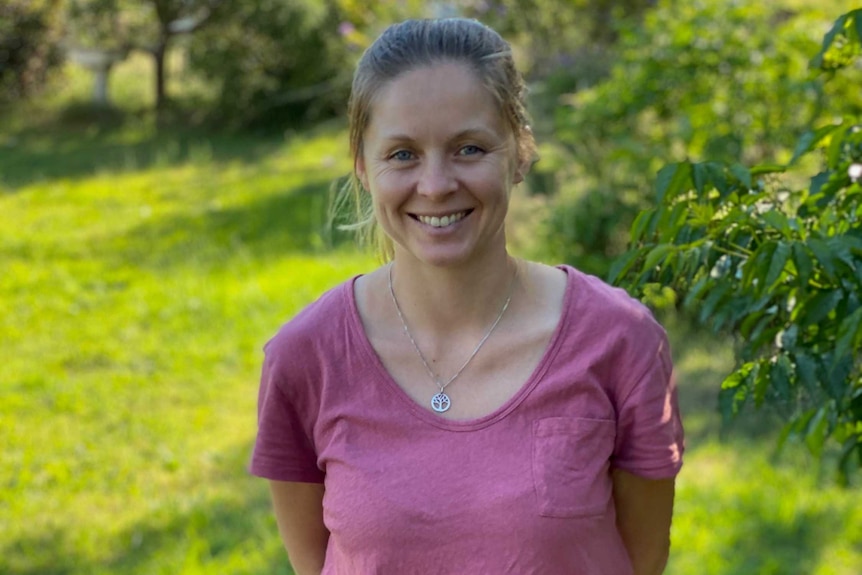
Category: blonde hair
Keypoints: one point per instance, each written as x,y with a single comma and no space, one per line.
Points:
410,45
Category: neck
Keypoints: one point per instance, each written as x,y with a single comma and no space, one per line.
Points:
444,299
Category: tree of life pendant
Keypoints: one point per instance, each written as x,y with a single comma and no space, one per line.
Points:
440,402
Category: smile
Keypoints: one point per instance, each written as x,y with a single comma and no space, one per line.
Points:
442,222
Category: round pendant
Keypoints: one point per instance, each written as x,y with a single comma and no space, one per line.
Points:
440,402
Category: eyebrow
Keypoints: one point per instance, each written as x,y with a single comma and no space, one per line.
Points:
467,132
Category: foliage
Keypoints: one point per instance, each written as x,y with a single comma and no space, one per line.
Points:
777,265
29,46
549,32
275,64
704,79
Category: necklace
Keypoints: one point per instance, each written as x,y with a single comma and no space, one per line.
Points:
441,402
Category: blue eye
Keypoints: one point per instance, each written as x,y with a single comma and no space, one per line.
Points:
470,150
402,156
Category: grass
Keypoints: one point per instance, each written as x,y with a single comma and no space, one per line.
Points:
142,271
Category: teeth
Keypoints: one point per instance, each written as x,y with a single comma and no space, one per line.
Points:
436,222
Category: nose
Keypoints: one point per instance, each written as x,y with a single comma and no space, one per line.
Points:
437,178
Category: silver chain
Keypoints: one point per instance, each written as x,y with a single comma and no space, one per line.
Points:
433,375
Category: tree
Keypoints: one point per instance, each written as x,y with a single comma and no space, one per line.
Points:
692,80
29,46
776,264
149,26
275,64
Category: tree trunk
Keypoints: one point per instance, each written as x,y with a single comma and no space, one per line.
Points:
159,57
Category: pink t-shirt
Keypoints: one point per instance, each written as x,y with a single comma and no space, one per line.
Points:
523,490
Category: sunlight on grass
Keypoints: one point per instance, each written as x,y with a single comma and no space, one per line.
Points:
143,272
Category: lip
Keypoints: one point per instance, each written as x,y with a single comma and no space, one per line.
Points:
415,215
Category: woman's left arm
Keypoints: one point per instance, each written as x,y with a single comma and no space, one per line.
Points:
644,510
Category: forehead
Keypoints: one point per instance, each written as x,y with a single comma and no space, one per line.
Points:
433,100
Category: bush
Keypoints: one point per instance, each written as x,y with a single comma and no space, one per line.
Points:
275,64
776,264
29,46
711,79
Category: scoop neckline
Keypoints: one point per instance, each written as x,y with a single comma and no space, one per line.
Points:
424,414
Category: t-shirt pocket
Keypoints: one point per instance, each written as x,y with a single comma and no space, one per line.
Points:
571,461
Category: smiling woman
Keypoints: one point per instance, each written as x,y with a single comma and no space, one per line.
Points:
439,163
458,410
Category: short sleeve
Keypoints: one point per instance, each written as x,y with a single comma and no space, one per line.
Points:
283,449
649,440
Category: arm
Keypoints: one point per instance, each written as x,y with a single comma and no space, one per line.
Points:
299,513
644,509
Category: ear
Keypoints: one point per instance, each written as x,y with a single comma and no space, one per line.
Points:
522,170
359,170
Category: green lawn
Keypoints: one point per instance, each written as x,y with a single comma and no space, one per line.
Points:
141,274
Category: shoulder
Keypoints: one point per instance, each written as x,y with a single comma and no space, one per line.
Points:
613,332
610,308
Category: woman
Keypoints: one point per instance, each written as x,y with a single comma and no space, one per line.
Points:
457,410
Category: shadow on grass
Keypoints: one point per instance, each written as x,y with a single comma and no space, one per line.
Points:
702,361
748,534
764,545
294,220
47,153
235,535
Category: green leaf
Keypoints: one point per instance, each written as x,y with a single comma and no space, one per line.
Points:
760,387
779,376
803,146
756,265
699,176
817,431
712,299
823,253
696,291
810,140
817,183
622,265
672,221
828,39
849,334
733,392
789,337
851,446
656,255
777,220
768,169
803,263
818,307
836,145
742,174
747,325
806,371
778,259
640,225
672,180
841,246
715,172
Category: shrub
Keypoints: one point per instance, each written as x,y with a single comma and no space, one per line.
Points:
275,64
29,46
706,79
775,264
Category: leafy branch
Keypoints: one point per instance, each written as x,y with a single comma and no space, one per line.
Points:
780,269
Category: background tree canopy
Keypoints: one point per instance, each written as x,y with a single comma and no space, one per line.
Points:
30,31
